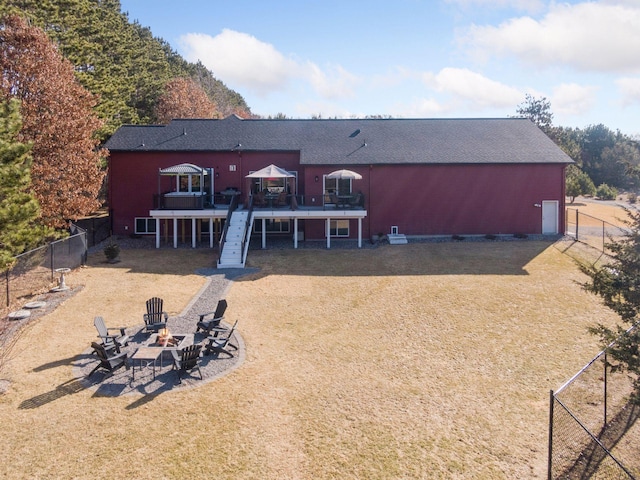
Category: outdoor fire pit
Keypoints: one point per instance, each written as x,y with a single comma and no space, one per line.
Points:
164,339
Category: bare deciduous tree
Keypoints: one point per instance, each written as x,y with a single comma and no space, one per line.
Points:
184,98
58,120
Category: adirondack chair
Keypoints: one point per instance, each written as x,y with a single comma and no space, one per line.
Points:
110,342
108,361
155,318
356,200
186,360
282,200
207,325
218,345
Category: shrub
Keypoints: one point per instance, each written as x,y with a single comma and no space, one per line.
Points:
111,251
605,192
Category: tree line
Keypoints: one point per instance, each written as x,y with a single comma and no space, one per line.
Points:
80,69
606,161
72,72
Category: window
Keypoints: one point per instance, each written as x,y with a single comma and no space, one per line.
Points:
273,225
195,183
183,183
334,186
339,228
145,225
188,183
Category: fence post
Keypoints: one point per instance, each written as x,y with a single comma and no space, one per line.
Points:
605,390
52,264
550,462
577,219
603,236
7,275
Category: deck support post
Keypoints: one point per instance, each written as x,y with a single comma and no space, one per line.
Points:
328,230
175,233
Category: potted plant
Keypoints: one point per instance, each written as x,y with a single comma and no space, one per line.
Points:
111,251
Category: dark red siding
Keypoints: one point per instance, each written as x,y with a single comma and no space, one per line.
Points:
419,199
463,199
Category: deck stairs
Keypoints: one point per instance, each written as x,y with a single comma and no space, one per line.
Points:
234,251
397,239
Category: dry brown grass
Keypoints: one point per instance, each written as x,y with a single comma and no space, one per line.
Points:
610,212
397,361
416,361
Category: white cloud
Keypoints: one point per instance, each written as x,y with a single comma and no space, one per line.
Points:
587,36
629,89
240,60
244,62
573,99
337,83
526,5
477,91
425,107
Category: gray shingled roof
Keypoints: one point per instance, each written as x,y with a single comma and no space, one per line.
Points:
354,141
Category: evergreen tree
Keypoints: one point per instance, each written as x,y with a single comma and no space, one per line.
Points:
18,208
120,61
578,183
618,284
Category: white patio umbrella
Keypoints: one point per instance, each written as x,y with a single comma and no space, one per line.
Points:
345,174
272,171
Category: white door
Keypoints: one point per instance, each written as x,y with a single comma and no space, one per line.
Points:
549,217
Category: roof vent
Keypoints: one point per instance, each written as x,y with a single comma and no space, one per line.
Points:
354,134
184,131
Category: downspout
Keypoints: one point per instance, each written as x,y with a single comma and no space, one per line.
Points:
369,199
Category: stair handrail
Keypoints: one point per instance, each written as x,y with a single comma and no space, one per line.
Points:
223,235
246,237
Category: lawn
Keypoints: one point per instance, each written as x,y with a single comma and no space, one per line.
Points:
429,360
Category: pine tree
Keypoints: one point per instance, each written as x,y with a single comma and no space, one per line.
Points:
58,120
618,284
118,60
18,208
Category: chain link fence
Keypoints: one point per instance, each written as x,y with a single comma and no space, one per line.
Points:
589,418
35,270
592,231
98,228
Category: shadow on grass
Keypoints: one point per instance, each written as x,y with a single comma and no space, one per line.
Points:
469,257
67,388
594,456
58,363
142,401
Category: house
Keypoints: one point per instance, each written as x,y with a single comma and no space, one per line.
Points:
419,177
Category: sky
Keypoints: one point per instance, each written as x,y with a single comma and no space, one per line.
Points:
414,58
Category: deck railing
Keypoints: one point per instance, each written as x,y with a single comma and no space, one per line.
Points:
320,202
172,201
